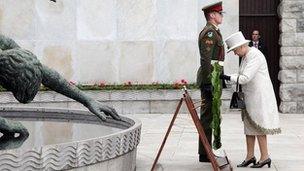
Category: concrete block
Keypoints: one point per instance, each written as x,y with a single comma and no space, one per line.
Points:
137,95
300,95
91,27
288,107
59,58
172,95
292,15
99,95
167,107
59,97
288,76
292,92
300,25
300,76
101,60
158,95
18,21
293,6
130,95
288,92
52,104
177,19
288,25
55,22
75,105
131,107
142,26
292,39
136,61
292,51
292,62
181,59
116,104
300,106
45,96
7,97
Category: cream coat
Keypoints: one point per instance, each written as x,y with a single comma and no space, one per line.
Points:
260,99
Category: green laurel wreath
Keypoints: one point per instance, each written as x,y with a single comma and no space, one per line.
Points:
216,105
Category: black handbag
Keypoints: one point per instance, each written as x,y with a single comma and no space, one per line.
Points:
237,100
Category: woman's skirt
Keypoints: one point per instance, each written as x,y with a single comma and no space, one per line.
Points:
251,128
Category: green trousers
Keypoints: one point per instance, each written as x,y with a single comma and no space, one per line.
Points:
206,118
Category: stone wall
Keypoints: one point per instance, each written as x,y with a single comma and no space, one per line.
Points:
114,41
291,74
124,101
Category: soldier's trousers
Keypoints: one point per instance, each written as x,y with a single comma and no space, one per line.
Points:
206,118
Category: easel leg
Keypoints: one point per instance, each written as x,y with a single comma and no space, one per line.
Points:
167,133
200,131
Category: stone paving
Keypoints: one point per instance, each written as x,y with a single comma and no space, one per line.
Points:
180,152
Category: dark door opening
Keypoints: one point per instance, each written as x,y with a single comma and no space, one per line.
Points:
262,15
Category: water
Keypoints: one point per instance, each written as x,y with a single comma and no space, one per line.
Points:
47,132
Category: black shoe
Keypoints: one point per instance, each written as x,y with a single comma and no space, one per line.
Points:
261,164
203,158
248,162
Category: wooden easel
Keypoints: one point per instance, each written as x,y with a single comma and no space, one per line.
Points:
218,163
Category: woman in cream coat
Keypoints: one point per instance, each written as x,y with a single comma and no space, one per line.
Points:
261,114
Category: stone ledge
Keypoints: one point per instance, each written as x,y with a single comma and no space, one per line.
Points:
125,102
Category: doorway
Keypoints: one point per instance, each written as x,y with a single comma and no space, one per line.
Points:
262,15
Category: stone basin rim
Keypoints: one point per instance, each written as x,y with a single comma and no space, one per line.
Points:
64,115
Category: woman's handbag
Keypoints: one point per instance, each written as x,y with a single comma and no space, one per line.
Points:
237,100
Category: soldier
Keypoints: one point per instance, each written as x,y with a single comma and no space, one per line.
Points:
211,59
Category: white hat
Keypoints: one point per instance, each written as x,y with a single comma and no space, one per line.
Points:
235,40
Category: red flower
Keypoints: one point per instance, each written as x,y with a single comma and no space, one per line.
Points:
177,85
128,83
183,81
102,84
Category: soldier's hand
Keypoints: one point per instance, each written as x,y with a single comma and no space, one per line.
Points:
102,111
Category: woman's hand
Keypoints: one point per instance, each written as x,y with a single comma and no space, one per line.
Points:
224,77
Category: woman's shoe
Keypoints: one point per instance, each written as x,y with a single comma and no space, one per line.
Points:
261,164
245,163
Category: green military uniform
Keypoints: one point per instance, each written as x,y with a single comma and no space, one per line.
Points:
211,48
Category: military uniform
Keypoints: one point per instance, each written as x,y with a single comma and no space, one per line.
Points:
211,49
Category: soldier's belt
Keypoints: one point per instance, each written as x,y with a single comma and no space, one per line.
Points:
221,63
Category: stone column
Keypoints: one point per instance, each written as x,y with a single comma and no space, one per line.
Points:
291,74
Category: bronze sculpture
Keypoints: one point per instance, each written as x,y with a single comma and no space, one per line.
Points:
22,74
